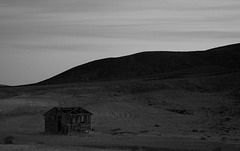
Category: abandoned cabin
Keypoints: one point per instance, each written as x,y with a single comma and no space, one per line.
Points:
60,120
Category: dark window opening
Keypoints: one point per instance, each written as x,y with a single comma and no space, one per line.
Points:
82,119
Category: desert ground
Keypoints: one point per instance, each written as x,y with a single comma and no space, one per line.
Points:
197,113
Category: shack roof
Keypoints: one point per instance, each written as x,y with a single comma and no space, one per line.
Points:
68,110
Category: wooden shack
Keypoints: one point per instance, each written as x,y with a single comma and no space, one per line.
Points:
60,120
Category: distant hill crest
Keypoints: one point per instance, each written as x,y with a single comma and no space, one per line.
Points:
153,63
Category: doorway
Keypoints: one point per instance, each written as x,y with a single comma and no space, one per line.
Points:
59,124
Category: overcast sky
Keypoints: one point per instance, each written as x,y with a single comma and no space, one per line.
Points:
41,38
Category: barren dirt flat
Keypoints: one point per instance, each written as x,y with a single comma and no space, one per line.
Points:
123,142
192,113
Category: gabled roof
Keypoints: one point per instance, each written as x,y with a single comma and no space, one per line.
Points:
69,110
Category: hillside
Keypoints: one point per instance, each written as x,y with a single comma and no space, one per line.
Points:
167,101
199,113
157,63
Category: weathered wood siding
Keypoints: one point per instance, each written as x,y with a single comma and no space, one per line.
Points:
60,122
51,124
79,123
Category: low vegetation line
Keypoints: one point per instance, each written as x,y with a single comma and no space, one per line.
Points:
136,148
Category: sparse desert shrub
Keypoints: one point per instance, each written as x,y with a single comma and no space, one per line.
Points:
8,140
144,131
179,111
41,143
228,119
116,129
217,149
154,149
202,131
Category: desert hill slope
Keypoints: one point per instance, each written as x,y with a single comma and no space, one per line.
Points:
147,64
1,85
177,101
195,110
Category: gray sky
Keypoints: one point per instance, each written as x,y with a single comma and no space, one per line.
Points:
41,38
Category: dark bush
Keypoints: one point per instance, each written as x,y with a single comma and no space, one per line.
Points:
228,119
8,140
